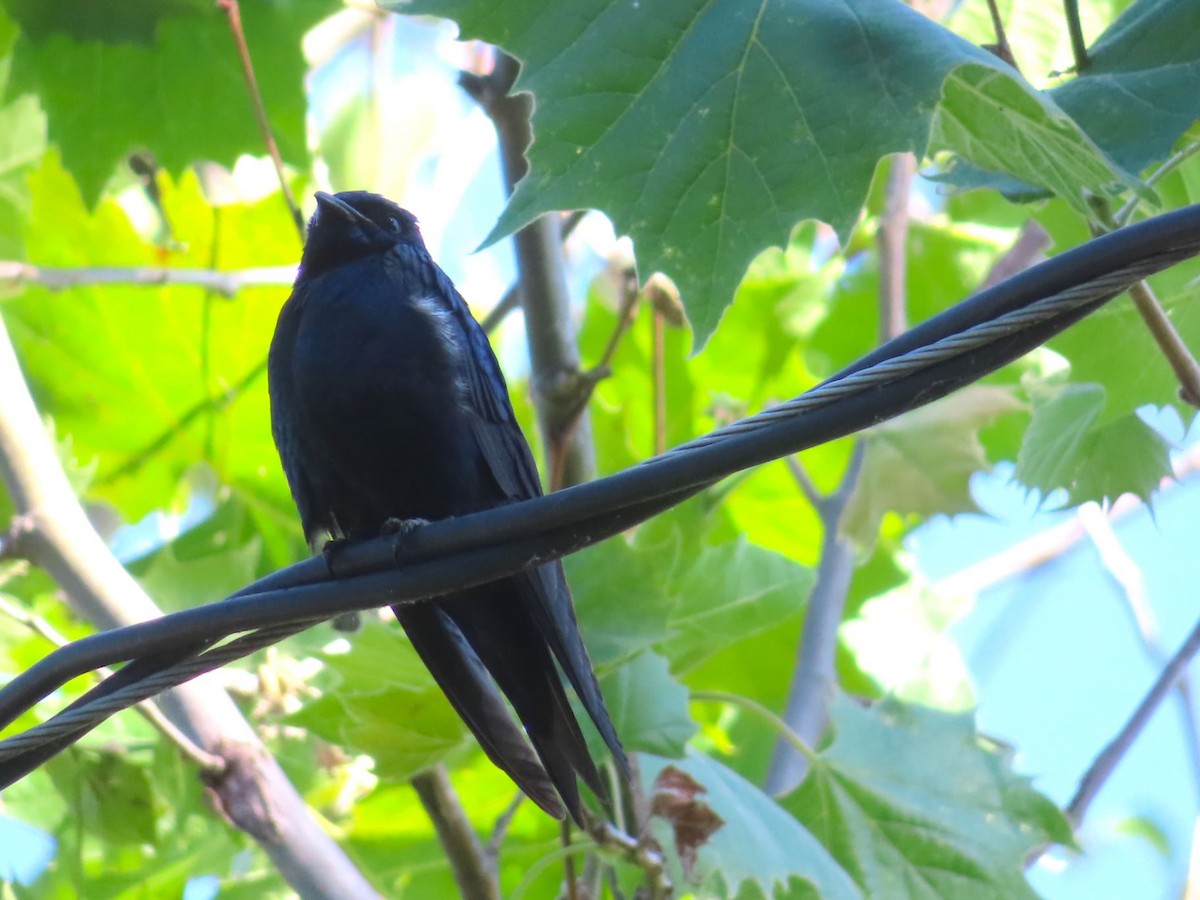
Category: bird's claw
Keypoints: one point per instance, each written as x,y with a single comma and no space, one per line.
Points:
332,548
399,531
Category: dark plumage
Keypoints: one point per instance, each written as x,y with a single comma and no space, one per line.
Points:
388,403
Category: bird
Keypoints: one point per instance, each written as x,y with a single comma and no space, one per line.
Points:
388,405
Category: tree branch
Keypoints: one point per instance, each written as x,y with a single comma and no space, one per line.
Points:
15,274
1106,762
815,678
549,327
251,790
474,870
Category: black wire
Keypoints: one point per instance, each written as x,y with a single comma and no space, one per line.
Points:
445,556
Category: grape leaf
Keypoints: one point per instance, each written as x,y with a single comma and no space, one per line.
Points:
921,463
708,130
912,802
147,381
658,591
162,77
759,843
1135,98
386,705
648,707
1065,447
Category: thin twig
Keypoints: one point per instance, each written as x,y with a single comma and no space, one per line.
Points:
1029,248
14,273
1177,353
234,13
512,297
1104,764
658,362
1001,47
815,675
1125,213
804,481
648,858
1180,358
814,678
474,871
570,876
500,828
893,248
1127,577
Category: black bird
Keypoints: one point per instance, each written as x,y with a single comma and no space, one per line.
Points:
388,403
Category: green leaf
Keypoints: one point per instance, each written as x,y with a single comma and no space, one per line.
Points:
727,593
162,77
760,844
648,707
621,600
921,463
914,803
112,796
386,705
1064,447
999,125
177,583
149,381
724,124
1138,94
659,591
22,143
1135,98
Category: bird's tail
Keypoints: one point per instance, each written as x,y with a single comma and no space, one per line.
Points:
496,627
466,683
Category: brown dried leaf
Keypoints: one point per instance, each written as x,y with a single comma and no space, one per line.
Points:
692,820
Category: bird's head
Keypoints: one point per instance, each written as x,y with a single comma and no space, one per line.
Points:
354,224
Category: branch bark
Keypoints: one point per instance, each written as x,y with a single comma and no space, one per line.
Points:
14,273
474,869
815,678
549,327
251,790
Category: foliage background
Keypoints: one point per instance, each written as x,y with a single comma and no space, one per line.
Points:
157,396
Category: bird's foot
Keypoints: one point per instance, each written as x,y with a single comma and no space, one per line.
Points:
331,549
399,530
347,622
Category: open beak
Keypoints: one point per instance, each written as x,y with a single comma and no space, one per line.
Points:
327,203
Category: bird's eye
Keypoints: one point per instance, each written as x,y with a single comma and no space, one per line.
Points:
393,223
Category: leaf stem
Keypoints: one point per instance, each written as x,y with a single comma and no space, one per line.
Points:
1075,29
763,713
234,13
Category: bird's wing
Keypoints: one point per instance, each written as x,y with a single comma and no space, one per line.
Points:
508,456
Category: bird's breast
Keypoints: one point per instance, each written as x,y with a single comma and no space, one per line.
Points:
378,376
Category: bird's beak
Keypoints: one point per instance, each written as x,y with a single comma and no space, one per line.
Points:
327,203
